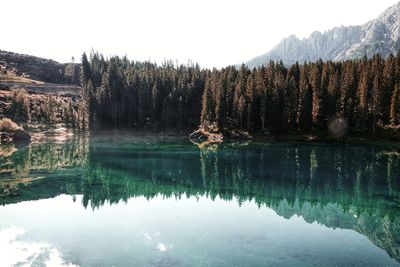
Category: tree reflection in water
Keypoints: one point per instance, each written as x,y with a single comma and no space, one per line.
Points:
338,185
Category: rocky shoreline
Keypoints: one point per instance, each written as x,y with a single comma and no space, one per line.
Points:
11,132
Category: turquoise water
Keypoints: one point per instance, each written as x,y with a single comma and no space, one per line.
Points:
148,201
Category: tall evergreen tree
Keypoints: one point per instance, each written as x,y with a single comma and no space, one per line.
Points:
304,112
86,73
394,106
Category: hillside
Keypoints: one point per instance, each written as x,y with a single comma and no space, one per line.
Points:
38,91
41,69
381,35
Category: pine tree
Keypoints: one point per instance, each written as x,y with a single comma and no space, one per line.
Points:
239,101
251,97
363,93
261,88
207,105
241,111
293,78
279,105
304,112
220,104
394,106
348,89
375,102
86,73
317,105
388,82
333,103
90,103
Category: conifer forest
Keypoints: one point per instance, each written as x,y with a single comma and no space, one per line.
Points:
300,98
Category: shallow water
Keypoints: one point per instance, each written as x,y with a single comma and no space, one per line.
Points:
147,201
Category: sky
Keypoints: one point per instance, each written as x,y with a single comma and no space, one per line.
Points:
214,33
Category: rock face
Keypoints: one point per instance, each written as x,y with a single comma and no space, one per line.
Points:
381,35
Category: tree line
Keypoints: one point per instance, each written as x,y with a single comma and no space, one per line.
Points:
125,94
275,98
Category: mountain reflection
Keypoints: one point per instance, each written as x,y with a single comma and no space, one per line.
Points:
341,186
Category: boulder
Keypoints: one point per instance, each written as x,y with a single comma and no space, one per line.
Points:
5,137
205,136
21,135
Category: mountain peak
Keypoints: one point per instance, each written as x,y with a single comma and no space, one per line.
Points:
381,35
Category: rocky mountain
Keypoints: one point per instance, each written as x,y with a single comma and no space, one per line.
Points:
381,35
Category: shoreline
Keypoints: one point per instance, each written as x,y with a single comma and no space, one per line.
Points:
40,131
255,137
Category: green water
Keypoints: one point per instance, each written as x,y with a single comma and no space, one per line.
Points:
136,201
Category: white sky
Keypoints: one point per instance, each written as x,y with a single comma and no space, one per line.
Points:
210,32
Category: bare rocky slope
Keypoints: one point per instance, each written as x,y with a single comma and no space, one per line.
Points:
38,75
381,35
49,91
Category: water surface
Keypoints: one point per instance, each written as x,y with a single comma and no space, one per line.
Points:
136,201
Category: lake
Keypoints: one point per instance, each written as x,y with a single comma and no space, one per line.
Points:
152,201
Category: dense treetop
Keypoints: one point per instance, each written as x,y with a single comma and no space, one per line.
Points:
275,98
120,93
